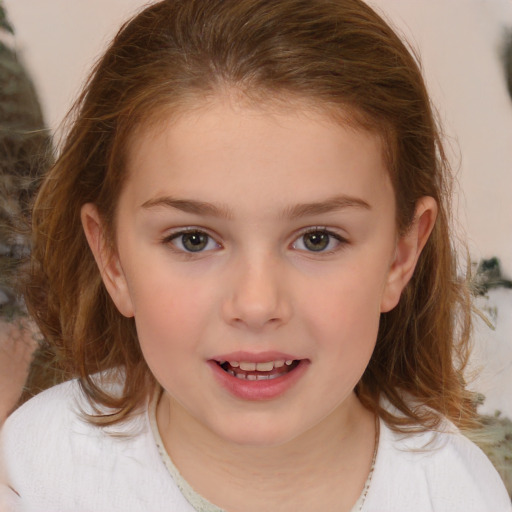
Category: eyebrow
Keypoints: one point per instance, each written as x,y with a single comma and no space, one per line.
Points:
330,205
190,206
299,210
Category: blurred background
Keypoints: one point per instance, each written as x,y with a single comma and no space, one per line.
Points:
463,50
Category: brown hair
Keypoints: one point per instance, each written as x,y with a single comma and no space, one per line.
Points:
338,54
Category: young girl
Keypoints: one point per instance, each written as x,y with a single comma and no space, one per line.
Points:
242,255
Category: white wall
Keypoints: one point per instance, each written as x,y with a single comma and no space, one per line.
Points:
60,39
459,45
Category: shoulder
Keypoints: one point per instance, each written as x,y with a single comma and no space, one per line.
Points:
55,415
48,427
36,432
48,420
56,460
45,416
440,471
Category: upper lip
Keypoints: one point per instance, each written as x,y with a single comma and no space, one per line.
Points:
253,357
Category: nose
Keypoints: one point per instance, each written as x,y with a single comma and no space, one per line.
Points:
257,297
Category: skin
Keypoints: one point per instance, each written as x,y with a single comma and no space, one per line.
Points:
256,287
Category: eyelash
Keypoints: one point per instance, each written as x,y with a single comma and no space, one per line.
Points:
173,237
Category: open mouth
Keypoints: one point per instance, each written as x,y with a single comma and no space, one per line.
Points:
268,370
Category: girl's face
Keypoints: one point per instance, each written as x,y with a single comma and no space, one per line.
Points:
256,249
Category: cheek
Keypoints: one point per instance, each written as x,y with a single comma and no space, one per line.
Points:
170,312
344,312
344,327
170,325
351,292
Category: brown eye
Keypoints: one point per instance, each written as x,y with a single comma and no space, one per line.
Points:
316,241
192,241
319,240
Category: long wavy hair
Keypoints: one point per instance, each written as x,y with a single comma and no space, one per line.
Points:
337,54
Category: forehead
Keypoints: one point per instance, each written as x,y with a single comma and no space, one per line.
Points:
220,103
224,148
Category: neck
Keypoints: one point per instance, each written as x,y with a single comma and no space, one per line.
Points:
324,468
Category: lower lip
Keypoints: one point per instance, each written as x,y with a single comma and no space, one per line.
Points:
258,389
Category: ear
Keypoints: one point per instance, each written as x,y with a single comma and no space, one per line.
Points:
107,260
407,252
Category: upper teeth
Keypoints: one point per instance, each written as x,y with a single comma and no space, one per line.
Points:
260,367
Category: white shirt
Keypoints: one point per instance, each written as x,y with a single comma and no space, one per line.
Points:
57,462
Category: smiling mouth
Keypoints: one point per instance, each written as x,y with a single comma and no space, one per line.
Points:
259,371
